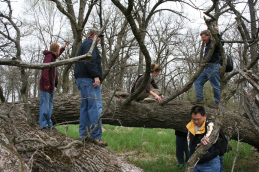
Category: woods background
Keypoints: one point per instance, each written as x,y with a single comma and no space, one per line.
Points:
137,33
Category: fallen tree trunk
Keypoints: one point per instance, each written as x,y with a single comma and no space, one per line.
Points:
30,149
10,159
173,115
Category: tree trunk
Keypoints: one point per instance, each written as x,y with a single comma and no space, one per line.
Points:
2,98
10,159
38,150
173,115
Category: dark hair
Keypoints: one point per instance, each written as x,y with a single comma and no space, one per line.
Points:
198,109
205,32
155,67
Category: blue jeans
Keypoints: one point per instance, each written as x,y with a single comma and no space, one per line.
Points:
210,166
46,107
221,163
91,108
211,73
181,147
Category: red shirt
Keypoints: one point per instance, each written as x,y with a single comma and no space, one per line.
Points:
48,74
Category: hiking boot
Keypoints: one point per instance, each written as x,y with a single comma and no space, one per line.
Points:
47,128
149,100
82,139
100,142
214,106
86,139
198,102
53,129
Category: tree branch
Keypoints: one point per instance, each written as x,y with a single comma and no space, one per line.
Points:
9,62
188,85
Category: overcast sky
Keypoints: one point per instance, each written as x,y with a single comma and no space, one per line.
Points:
195,16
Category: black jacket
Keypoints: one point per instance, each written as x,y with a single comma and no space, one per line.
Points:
194,139
216,57
180,133
90,69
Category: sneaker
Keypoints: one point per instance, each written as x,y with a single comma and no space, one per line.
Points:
198,102
214,106
100,142
149,100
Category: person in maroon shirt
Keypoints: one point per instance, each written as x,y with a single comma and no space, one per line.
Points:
48,80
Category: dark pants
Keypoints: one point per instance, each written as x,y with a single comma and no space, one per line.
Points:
181,147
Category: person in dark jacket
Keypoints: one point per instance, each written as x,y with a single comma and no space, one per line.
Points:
181,147
210,72
48,80
150,95
199,130
88,76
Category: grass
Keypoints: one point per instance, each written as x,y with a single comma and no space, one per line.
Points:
154,149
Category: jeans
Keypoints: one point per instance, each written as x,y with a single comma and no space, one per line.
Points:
221,163
91,108
211,73
46,107
210,166
181,147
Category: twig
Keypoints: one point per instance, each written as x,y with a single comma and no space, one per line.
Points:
67,122
48,158
107,129
238,141
31,160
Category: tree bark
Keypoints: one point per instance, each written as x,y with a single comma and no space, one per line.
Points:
2,98
173,115
10,159
31,149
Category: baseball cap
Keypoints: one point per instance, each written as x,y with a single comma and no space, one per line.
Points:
94,30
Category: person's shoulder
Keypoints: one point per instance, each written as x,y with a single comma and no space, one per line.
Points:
87,41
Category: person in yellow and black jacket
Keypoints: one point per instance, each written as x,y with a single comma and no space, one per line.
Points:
199,130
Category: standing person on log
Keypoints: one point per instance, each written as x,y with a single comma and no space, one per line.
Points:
210,72
199,130
150,95
48,80
88,76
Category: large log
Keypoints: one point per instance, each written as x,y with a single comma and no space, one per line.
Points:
175,115
10,159
34,150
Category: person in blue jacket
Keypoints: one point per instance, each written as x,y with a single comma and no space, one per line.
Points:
210,72
88,79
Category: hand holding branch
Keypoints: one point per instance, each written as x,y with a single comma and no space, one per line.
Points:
65,45
204,141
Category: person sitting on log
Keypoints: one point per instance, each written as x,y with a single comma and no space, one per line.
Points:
150,95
